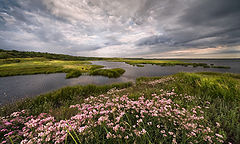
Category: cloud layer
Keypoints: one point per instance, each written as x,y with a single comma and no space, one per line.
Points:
123,28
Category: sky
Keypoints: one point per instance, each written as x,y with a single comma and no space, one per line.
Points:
123,28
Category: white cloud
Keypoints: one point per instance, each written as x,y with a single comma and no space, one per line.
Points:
107,28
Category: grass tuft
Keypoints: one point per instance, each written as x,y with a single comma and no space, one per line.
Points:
111,73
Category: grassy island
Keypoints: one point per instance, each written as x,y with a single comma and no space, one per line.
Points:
181,108
25,63
26,66
111,73
139,62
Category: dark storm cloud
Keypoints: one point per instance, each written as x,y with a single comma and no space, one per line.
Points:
206,19
154,40
216,13
120,27
214,18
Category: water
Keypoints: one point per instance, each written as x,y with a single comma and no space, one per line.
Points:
17,87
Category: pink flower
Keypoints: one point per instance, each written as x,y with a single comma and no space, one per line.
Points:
162,131
218,135
140,120
143,131
7,123
116,127
109,135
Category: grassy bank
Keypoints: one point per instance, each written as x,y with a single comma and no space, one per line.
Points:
182,108
26,66
167,63
5,55
58,102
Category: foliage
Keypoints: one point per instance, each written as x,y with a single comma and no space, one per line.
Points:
73,74
182,108
4,54
111,73
59,99
26,66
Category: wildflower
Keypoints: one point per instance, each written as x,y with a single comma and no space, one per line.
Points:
143,131
193,134
218,135
140,120
149,123
109,135
116,127
174,141
7,123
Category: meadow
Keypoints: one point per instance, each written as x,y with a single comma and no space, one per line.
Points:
181,108
24,63
40,65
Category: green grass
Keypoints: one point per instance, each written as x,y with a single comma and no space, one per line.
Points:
222,90
138,63
73,74
111,73
57,102
26,66
224,67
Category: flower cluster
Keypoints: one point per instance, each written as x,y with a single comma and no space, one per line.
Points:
11,126
117,119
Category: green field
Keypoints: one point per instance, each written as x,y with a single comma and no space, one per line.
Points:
26,66
183,108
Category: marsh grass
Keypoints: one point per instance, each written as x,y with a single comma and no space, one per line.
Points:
138,63
26,66
111,73
217,93
57,102
73,74
222,90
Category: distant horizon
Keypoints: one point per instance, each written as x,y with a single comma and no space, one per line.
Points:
186,58
123,28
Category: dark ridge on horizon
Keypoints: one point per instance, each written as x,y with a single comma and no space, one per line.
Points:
22,54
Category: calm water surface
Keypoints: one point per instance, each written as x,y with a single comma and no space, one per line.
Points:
17,87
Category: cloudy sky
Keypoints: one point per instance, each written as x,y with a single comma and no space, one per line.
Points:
123,28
